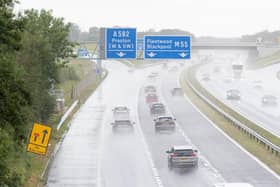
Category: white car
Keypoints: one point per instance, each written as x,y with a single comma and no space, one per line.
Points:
122,120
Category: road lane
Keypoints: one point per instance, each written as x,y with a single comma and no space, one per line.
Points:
204,175
250,103
233,164
90,155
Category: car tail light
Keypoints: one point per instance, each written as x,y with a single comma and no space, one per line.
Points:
193,154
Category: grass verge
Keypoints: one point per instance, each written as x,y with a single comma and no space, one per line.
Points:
38,163
255,148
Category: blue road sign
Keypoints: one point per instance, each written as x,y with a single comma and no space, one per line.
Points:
82,52
120,43
167,47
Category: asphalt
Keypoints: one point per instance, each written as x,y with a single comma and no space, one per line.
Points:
91,154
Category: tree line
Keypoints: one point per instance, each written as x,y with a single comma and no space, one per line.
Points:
33,46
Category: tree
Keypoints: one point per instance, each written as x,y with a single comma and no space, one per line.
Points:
46,46
14,96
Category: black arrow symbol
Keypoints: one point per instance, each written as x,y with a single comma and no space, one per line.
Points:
45,132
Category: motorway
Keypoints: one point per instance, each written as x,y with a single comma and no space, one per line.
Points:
92,155
250,102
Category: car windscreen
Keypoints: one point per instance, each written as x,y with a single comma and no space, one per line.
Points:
184,152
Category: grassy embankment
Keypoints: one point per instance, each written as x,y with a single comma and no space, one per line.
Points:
70,76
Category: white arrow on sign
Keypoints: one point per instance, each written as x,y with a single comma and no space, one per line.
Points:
182,55
151,54
121,54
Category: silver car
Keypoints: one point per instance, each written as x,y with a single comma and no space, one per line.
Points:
122,121
233,94
182,156
269,100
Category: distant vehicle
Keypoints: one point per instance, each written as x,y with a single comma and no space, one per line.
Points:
151,98
152,75
257,85
164,124
227,80
177,92
237,70
150,89
130,70
278,75
205,77
233,94
122,120
120,110
182,156
216,69
233,185
164,66
269,100
157,109
173,69
155,74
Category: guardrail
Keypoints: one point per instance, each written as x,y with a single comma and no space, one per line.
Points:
270,146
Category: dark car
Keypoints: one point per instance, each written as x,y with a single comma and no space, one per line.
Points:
176,92
182,156
233,94
164,124
157,109
269,100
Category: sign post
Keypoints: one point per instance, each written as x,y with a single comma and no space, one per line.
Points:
167,47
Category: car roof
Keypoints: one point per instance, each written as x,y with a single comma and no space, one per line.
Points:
183,147
270,96
161,117
156,103
120,108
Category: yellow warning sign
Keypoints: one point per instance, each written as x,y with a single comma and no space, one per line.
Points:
40,135
36,149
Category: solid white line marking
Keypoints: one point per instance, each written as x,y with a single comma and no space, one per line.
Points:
233,141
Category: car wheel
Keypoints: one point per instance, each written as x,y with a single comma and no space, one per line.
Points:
195,165
170,166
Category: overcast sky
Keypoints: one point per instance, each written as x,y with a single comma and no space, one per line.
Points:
221,18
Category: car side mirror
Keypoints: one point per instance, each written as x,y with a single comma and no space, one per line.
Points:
196,151
168,151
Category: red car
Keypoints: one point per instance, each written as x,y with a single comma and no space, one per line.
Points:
151,98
